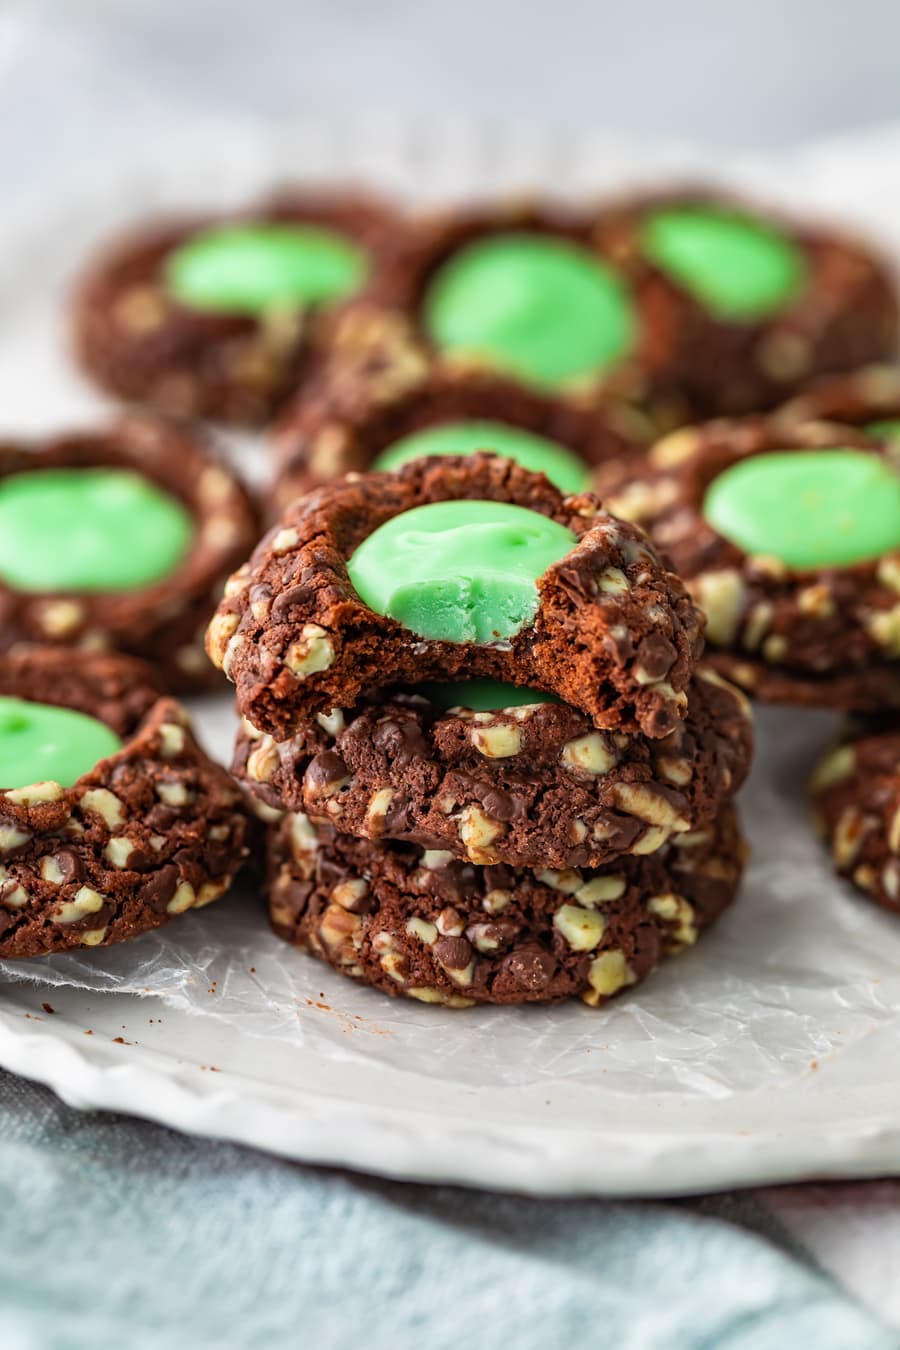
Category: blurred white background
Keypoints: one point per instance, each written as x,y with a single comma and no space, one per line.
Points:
83,81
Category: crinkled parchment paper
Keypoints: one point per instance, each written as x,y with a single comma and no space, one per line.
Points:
797,971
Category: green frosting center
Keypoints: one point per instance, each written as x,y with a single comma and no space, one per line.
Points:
88,530
810,508
246,269
543,308
562,467
481,695
738,267
462,571
40,743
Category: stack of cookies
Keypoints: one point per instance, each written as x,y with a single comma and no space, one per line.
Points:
490,764
491,767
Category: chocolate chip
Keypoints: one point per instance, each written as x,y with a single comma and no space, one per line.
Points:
620,645
69,864
400,740
453,952
529,967
295,896
326,768
575,578
397,820
161,818
159,888
655,656
294,597
329,871
498,804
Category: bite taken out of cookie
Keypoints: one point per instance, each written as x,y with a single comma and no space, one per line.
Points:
456,568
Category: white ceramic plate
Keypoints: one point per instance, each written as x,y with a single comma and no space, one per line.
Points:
764,1054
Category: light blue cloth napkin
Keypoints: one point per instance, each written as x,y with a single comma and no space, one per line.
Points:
119,1235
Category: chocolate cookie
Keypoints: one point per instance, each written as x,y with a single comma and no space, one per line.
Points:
522,289
740,305
448,569
367,412
112,819
220,316
865,690
856,798
419,924
533,784
868,399
789,538
680,304
120,539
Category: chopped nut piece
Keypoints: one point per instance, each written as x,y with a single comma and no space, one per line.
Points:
608,974
589,754
500,741
35,795
582,929
312,652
